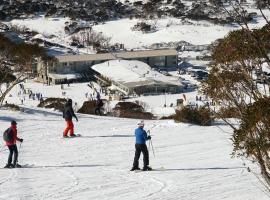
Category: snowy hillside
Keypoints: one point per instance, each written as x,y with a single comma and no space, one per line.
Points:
196,161
168,30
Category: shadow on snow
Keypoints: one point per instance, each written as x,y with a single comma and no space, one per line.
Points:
107,136
63,166
200,169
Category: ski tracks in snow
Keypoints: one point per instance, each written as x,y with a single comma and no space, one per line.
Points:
150,177
12,175
163,186
61,193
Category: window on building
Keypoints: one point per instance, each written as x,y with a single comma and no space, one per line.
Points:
159,61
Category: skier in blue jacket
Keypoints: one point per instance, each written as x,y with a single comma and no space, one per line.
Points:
140,146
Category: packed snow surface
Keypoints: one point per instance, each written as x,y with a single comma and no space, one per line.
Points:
45,26
196,161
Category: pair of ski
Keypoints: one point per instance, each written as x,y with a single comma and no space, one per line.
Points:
75,136
155,169
21,166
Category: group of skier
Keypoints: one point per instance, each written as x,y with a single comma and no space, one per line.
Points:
10,137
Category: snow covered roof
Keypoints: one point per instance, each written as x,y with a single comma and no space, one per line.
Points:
133,73
111,56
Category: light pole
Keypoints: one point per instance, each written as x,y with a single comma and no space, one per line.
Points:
165,97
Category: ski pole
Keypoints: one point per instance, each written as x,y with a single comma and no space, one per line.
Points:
2,148
151,144
152,148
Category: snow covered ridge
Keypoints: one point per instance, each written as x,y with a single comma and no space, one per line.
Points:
168,30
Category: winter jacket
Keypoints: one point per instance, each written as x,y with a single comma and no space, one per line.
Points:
68,112
15,138
141,136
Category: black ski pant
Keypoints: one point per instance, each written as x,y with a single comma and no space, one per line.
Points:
98,111
13,149
138,149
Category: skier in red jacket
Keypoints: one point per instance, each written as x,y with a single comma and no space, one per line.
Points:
13,147
68,114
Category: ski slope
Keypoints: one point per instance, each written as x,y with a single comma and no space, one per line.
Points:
196,160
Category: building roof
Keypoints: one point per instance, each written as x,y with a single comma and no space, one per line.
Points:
119,55
133,73
64,76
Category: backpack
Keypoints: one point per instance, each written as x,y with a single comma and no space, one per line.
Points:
8,135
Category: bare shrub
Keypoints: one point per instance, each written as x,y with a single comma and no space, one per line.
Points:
88,37
143,104
200,116
56,103
19,28
144,27
12,107
88,107
131,110
230,112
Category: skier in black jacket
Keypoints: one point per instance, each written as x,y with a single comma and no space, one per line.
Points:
68,113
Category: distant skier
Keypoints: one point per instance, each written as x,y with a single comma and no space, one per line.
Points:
99,104
68,114
140,146
10,137
97,95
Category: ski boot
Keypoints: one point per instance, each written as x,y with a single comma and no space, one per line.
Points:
73,135
135,168
147,168
17,166
9,166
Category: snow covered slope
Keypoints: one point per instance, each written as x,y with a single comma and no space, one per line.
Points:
96,166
